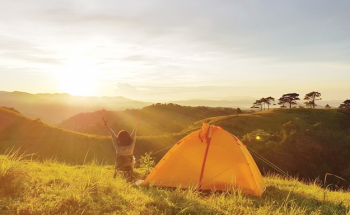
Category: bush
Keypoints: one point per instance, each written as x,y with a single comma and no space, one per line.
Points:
147,162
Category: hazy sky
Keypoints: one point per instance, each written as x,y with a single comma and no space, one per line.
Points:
159,50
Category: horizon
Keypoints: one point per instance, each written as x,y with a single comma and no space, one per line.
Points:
224,99
160,51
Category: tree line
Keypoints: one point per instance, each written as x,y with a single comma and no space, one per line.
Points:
290,99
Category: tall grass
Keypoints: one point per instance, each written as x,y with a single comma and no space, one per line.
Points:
12,172
51,187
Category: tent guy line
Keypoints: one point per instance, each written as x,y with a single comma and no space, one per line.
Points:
268,162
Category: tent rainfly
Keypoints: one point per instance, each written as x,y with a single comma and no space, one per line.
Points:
209,159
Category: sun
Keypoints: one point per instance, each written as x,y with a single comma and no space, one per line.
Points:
77,84
77,80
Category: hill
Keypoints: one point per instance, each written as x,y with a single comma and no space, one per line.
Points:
156,119
51,187
33,136
54,108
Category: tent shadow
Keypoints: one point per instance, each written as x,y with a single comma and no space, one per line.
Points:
175,202
287,199
185,201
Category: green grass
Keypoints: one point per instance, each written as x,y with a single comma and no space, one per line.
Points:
272,120
51,187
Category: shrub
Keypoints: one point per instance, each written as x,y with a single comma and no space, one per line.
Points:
147,162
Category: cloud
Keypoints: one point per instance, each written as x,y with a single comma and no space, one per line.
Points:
21,50
126,89
178,46
300,31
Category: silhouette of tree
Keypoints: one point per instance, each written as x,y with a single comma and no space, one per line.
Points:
289,98
257,104
269,101
262,102
345,107
311,98
308,104
327,106
238,111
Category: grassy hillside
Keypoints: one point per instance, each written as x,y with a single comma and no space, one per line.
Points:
157,119
33,136
51,187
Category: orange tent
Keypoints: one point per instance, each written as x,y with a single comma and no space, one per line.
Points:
209,159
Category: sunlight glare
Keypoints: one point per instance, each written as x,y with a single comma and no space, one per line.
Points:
78,80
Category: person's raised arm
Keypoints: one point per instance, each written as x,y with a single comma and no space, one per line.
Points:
111,132
134,131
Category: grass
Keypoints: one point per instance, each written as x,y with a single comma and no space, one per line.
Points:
272,120
12,172
52,187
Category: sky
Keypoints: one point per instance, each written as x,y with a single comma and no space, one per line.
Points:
161,50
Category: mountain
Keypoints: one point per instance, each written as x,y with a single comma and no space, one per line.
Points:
156,119
243,103
54,108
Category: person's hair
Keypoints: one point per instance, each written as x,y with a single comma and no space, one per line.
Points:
124,138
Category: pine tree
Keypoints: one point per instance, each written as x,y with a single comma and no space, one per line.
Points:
269,101
345,107
289,98
257,104
311,98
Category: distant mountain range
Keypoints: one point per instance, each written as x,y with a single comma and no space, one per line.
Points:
156,119
54,108
245,102
242,103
